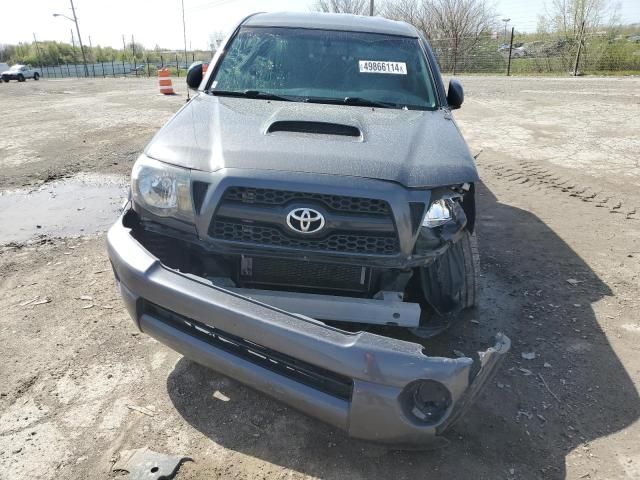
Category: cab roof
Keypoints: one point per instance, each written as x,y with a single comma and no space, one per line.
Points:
332,21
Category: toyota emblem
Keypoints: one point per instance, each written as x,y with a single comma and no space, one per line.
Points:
305,220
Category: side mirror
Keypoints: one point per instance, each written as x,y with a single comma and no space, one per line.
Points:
455,95
194,75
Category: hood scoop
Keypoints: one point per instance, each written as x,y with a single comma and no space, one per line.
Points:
319,128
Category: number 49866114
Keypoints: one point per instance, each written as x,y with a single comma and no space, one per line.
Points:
374,66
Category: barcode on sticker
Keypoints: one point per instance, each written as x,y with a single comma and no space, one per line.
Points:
394,68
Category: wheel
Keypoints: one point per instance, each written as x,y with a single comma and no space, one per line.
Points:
21,78
472,270
36,76
451,283
5,79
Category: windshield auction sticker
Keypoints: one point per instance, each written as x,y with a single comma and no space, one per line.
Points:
372,66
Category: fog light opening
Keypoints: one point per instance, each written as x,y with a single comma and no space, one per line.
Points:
426,401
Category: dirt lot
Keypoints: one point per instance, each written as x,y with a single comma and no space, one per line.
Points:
559,235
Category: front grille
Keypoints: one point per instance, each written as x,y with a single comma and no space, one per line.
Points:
263,235
315,377
240,218
265,196
275,272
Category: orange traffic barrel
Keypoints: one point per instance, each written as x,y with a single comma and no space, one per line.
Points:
164,82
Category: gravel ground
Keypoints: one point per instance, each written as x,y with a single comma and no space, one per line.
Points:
559,201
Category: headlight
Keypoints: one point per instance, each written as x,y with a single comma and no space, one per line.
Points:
439,213
162,189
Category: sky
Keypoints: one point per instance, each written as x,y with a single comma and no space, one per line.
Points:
159,22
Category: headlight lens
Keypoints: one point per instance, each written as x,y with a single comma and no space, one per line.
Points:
439,213
162,189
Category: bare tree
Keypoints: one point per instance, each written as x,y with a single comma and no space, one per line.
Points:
569,22
566,17
410,11
357,7
458,24
461,21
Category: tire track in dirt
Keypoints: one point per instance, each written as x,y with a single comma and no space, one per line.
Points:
532,174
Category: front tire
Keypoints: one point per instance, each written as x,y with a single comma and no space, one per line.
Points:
36,76
5,79
451,283
472,270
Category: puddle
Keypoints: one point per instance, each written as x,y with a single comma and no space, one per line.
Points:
80,205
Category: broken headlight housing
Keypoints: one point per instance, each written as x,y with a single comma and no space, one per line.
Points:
439,213
444,222
162,189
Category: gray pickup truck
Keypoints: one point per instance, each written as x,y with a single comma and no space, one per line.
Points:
20,73
306,210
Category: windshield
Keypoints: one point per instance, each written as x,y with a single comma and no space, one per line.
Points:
327,66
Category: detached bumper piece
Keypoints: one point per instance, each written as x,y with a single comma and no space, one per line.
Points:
310,375
374,387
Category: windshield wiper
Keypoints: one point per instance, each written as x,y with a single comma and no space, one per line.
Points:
363,102
357,101
252,94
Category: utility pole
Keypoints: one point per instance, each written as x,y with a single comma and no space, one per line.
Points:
37,48
93,60
510,50
133,52
371,8
184,32
84,58
124,53
580,41
75,58
506,21
73,44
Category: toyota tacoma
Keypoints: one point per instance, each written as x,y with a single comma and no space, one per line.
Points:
311,205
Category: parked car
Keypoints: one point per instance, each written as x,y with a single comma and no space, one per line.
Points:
138,69
21,73
3,67
315,188
182,66
516,52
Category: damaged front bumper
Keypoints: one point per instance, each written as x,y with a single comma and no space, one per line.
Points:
373,387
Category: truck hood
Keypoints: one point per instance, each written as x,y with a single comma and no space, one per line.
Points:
413,148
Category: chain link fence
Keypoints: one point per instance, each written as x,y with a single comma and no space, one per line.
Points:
113,68
540,54
508,53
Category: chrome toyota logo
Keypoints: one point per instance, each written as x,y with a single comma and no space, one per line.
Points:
305,220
